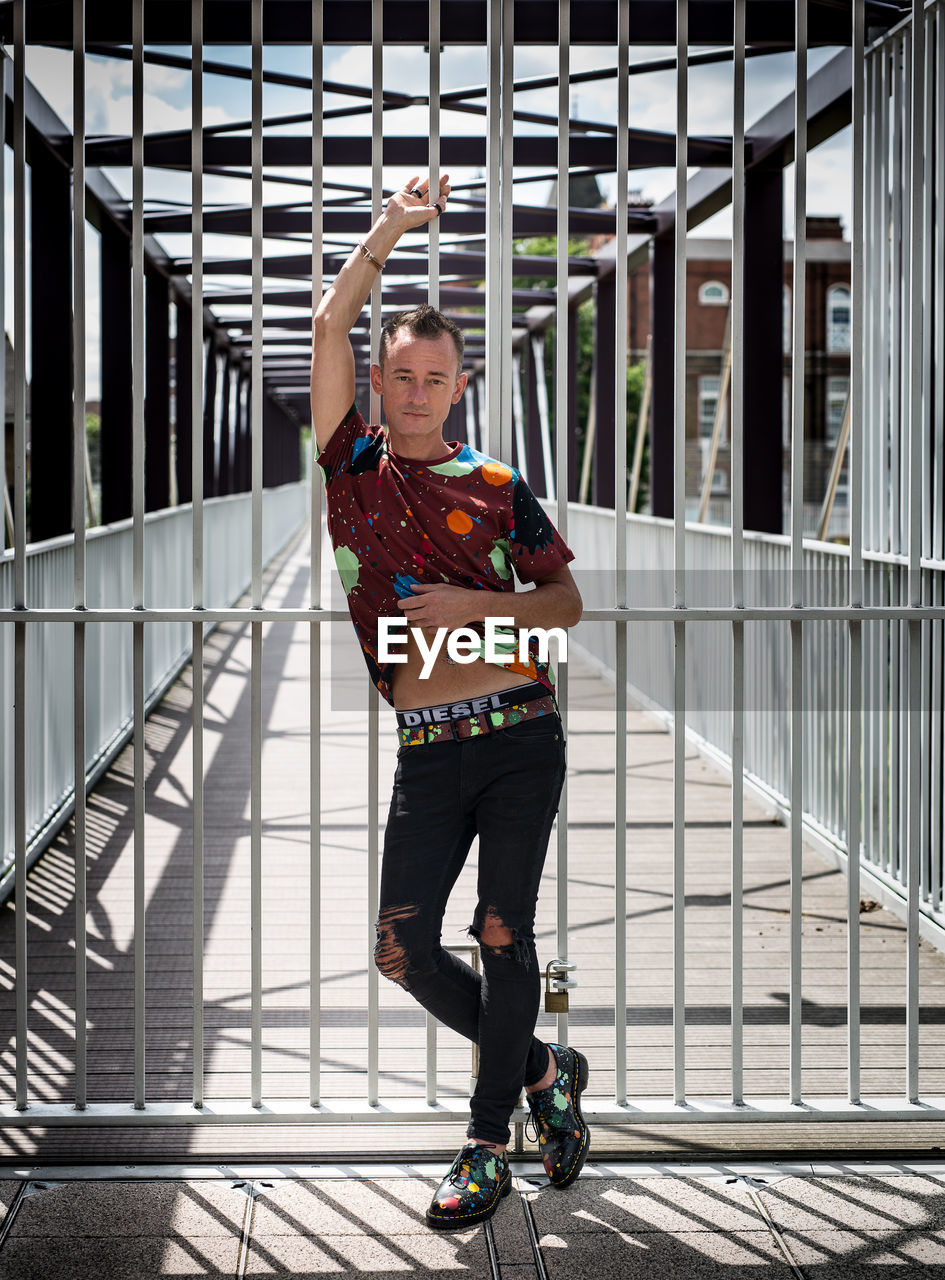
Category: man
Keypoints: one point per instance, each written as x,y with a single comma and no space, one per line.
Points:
427,533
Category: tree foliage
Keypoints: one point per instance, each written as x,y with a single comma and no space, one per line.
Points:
547,246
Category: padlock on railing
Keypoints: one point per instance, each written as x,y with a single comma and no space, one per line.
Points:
557,985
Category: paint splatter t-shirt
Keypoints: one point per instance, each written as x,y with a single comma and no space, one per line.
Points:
461,518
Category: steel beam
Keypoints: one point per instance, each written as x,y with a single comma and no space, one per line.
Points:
348,22
663,329
210,477
157,404
116,438
605,318
763,354
297,220
51,324
183,429
647,151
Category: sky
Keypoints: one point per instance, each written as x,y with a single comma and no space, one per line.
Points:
652,106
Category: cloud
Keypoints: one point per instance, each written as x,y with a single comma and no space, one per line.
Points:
108,90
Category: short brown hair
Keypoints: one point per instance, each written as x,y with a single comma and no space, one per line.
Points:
423,322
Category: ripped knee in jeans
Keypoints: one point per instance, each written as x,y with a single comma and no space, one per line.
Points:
497,939
390,954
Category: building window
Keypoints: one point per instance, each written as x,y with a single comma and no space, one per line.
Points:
708,400
837,391
838,318
713,294
709,388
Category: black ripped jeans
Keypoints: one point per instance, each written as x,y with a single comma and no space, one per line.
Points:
503,786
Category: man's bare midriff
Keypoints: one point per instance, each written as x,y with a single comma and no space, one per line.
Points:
447,682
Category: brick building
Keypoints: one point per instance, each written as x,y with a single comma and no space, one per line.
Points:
827,357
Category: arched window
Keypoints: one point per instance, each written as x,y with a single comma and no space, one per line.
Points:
838,318
713,294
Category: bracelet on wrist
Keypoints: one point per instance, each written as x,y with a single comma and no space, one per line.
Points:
369,257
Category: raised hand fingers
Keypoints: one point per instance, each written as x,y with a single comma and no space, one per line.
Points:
415,202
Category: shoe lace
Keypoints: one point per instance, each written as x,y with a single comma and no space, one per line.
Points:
531,1126
463,1165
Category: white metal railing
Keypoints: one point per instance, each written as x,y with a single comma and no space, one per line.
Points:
708,714
49,687
896,454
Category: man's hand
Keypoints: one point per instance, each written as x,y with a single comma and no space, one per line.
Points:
412,207
555,601
438,604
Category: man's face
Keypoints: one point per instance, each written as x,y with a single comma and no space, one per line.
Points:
420,381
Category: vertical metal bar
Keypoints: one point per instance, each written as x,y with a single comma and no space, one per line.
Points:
938,258
255,854
915,482
679,560
927,795
888,135
620,550
797,536
433,297
556,485
78,525
880,291
938,462
544,428
430,1069
19,552
137,509
868,446
197,588
897,499
433,286
738,549
505,224
315,630
928,295
4,500
855,586
561,274
518,418
377,136
493,375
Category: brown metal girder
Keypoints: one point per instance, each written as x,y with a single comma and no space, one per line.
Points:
772,143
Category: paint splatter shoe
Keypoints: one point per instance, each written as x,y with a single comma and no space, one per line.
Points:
472,1189
562,1134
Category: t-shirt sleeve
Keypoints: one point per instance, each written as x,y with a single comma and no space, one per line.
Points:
536,546
351,436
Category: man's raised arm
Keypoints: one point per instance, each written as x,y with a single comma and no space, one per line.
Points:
332,382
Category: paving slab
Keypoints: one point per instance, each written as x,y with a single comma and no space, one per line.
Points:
349,1206
427,1255
625,1255
650,1204
855,1203
100,1258
849,1253
8,1192
127,1209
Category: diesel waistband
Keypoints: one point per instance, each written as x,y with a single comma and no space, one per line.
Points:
446,712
